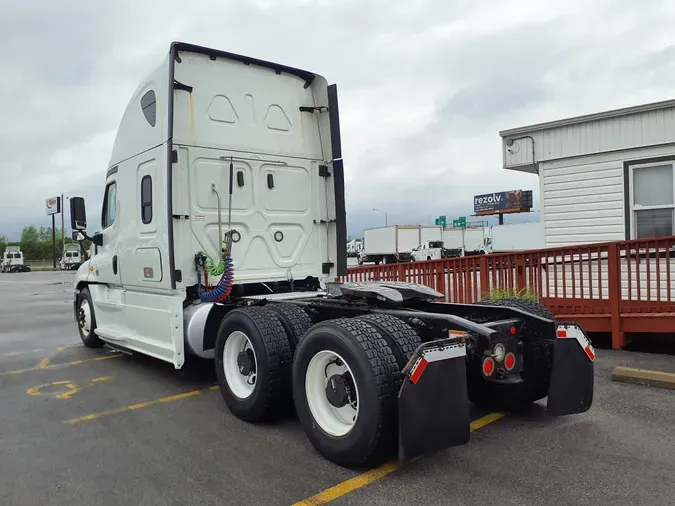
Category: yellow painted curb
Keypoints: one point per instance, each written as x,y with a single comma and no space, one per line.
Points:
644,377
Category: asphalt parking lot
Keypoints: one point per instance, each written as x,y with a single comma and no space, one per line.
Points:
81,426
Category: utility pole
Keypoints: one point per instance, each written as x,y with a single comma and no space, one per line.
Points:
53,243
63,235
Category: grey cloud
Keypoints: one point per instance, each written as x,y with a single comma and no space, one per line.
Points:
425,86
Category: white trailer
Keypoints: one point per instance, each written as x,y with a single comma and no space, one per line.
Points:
12,260
516,237
71,257
465,242
390,244
231,166
430,233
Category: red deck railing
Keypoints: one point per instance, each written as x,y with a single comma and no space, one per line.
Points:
616,287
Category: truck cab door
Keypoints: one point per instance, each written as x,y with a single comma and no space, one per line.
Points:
106,290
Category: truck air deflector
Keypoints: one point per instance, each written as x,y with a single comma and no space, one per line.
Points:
176,47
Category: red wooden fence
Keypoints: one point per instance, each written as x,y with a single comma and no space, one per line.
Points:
616,287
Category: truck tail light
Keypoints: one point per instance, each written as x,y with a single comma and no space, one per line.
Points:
510,361
488,366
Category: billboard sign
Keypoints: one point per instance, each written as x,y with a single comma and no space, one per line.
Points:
53,205
514,201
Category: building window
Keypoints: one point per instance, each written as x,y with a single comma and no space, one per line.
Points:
149,106
653,200
109,205
146,199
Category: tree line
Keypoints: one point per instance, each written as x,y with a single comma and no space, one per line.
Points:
36,243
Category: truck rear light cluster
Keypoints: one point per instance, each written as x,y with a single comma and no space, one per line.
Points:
488,366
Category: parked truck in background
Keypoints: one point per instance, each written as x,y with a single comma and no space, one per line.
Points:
465,241
395,243
12,260
223,235
354,247
516,237
432,250
71,257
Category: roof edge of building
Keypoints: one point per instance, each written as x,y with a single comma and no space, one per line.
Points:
625,111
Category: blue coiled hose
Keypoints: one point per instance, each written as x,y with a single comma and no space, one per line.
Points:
222,290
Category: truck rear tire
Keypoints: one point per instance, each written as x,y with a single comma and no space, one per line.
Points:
86,320
401,338
345,386
529,306
294,320
253,363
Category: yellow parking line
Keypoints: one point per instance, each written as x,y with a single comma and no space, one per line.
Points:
39,367
140,405
15,353
375,474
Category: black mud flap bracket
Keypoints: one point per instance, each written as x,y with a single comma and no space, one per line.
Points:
571,387
433,403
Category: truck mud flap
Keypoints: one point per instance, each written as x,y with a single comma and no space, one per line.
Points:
433,403
571,387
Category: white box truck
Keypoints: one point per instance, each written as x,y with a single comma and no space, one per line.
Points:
71,257
12,260
395,243
465,242
223,235
516,237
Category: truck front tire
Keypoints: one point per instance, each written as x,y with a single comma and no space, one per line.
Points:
253,363
86,320
345,386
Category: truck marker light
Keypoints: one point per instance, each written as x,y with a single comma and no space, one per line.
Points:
562,334
513,331
510,361
488,366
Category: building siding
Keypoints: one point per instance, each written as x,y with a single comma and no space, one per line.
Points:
582,198
649,128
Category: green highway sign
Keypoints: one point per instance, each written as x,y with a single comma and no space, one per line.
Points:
441,220
459,223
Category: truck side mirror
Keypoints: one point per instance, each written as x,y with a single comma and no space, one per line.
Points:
78,236
78,214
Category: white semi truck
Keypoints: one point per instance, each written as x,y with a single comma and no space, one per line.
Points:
12,260
71,257
395,243
223,234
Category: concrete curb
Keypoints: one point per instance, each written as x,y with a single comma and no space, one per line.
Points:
644,377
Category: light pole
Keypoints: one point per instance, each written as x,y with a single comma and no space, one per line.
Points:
386,223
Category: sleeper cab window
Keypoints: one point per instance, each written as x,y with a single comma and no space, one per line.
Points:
149,107
146,199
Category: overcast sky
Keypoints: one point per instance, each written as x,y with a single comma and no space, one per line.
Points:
424,85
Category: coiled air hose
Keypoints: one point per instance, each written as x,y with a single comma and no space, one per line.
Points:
225,267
